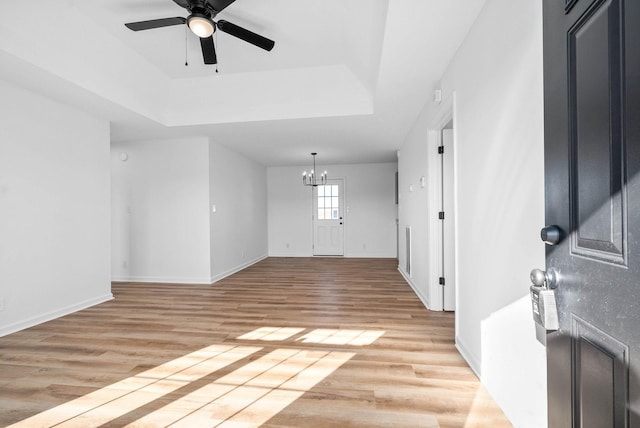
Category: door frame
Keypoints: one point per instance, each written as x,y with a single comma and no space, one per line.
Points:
448,223
445,115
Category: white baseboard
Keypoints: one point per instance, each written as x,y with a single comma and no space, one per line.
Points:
421,296
468,356
24,324
162,279
289,254
236,269
365,255
347,255
186,280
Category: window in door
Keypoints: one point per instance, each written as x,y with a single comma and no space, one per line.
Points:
328,205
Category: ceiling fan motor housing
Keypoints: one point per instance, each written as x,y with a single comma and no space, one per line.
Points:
202,7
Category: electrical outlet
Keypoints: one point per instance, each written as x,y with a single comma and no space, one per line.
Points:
1,304
125,264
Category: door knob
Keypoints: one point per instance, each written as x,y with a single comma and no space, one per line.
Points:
551,235
546,279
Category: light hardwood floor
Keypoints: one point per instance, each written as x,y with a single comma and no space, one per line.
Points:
288,342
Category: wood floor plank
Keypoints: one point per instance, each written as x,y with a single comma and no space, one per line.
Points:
287,342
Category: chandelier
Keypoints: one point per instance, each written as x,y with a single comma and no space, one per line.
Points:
312,179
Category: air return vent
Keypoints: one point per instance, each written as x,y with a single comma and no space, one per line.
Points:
408,252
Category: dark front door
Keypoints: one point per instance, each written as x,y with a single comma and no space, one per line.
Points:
592,163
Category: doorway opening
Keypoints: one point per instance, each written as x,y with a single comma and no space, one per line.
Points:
447,219
442,215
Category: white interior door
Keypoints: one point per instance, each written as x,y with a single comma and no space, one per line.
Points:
328,219
448,223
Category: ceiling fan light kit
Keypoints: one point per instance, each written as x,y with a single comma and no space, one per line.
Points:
201,25
200,22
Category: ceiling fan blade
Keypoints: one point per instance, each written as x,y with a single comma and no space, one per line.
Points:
208,50
155,23
246,35
182,3
219,5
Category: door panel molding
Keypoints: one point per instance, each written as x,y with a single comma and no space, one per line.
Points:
568,4
596,130
600,363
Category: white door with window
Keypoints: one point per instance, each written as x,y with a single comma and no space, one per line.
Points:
328,218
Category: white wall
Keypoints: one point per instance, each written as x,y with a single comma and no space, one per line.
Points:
415,212
238,189
498,117
54,209
164,227
370,218
289,213
160,210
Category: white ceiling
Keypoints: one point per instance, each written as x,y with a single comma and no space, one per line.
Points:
347,78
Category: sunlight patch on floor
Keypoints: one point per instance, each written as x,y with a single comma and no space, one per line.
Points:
322,336
478,414
271,334
252,394
342,337
115,400
185,392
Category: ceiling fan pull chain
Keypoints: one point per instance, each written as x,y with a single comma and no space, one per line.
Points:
217,49
186,45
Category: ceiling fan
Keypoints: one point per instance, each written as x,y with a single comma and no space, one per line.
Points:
200,22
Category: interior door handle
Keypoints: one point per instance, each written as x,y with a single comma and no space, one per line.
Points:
546,279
